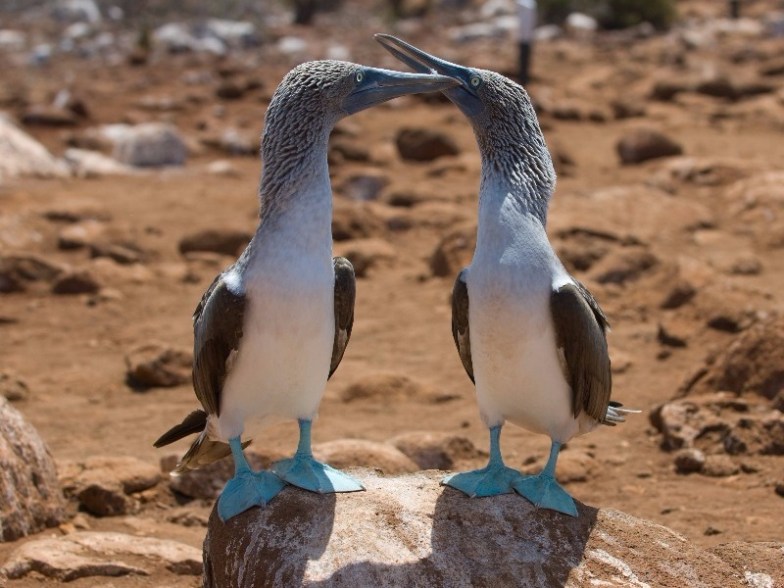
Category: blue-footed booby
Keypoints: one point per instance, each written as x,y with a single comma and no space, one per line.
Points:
273,327
530,336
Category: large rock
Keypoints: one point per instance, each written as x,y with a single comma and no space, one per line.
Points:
31,496
21,155
410,531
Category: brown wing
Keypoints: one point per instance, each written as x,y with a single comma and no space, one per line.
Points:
217,330
580,334
460,323
345,295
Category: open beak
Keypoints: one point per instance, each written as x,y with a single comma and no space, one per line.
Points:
380,85
423,62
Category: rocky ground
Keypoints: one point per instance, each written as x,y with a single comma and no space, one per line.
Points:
670,207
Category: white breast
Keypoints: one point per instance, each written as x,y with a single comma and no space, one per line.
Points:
285,352
517,369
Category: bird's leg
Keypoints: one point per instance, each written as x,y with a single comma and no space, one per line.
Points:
544,491
304,471
494,479
247,488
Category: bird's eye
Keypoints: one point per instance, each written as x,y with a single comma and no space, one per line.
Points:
359,77
475,81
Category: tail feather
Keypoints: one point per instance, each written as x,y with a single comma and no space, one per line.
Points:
204,451
616,414
193,423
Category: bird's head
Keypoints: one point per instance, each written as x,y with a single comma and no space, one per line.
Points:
494,104
332,90
504,121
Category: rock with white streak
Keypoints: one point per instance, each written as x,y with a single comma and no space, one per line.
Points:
89,554
93,164
30,495
410,531
21,155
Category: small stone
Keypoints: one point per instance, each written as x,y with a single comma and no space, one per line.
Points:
49,116
222,167
187,518
151,145
76,282
78,235
643,144
105,499
12,387
386,387
710,531
454,251
154,365
366,254
719,466
350,453
779,488
347,149
746,266
354,220
230,90
422,144
233,142
623,265
17,271
688,461
223,241
364,186
671,335
679,294
436,451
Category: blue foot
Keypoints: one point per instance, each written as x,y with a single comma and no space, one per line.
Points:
305,472
491,480
543,491
247,488
494,479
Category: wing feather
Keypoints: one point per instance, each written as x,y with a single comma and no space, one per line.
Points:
217,330
460,330
580,327
345,296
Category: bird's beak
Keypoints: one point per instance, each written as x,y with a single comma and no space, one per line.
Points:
379,85
462,95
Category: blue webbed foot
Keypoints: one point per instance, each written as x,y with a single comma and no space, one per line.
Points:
305,472
543,491
494,479
246,490
491,480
